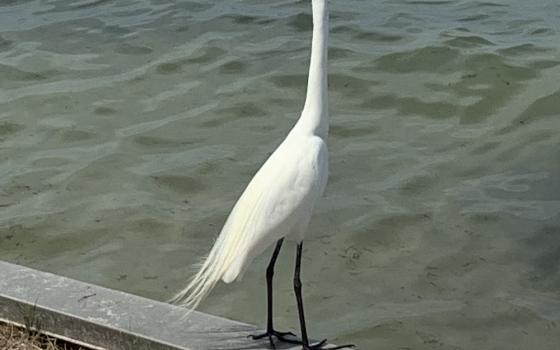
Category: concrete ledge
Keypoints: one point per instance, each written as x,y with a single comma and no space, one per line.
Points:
111,319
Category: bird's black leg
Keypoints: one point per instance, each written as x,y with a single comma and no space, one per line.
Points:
270,332
297,290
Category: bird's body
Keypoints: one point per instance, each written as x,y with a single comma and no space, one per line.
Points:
279,200
277,203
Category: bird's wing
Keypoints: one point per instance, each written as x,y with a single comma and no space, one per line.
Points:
279,199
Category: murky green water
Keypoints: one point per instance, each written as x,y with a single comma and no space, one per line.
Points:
129,128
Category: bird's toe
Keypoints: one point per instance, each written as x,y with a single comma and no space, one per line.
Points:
286,337
322,346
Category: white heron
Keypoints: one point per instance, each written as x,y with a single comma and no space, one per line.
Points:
279,200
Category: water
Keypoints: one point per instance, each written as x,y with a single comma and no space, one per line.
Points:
128,129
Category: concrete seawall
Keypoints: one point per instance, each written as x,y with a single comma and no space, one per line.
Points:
110,319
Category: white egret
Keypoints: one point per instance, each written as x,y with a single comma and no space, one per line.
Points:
279,200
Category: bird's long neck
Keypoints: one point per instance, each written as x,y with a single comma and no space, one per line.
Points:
315,115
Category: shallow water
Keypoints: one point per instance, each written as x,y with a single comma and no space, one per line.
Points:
128,129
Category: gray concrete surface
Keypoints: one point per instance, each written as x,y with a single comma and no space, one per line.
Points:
114,320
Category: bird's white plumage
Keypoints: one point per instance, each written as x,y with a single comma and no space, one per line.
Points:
279,200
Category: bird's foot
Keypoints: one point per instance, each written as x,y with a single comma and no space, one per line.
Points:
321,346
281,336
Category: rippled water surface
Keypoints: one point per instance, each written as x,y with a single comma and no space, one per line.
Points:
129,128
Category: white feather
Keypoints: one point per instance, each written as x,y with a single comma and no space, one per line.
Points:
277,202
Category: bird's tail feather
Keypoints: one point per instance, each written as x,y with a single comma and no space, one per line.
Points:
232,240
211,270
209,273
